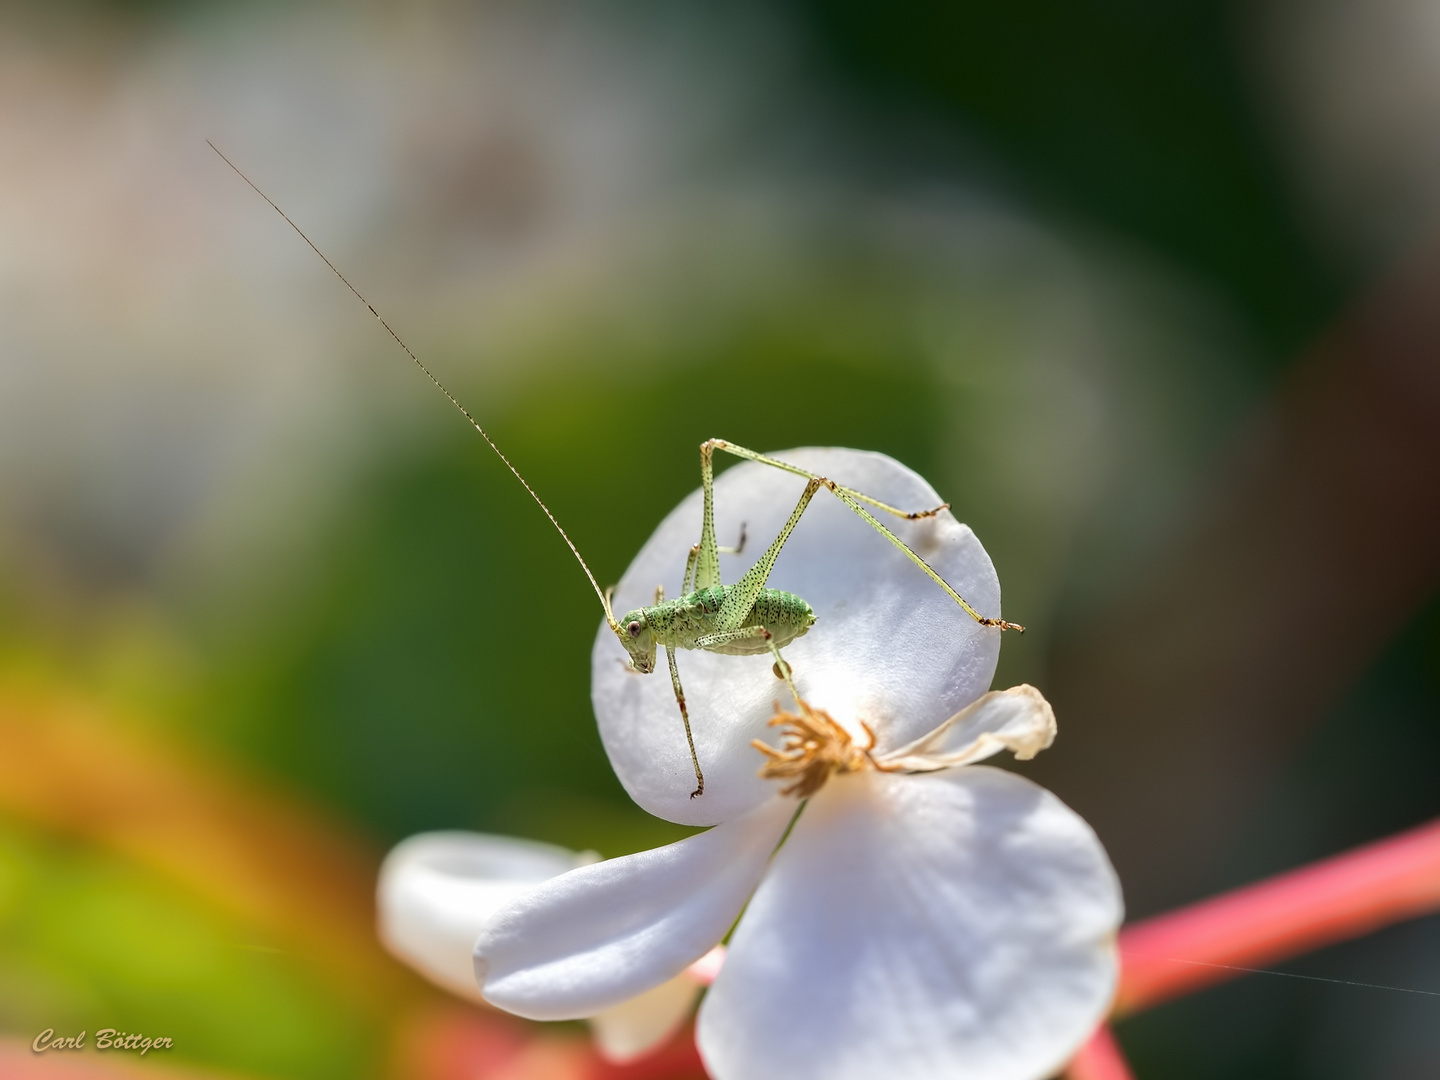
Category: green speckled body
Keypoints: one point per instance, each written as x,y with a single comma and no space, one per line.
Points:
680,623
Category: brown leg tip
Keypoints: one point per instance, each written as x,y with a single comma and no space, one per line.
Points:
697,793
1002,624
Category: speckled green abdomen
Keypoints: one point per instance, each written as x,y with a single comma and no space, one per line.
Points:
782,613
681,622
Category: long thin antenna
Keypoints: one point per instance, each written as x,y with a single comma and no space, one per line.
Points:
1308,978
604,601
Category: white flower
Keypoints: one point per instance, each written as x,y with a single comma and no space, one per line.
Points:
436,892
954,922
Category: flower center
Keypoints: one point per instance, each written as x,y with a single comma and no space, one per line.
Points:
812,747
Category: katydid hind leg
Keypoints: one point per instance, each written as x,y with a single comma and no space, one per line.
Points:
740,597
685,585
695,554
785,466
707,557
856,501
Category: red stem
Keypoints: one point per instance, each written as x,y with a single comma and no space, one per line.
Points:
1332,900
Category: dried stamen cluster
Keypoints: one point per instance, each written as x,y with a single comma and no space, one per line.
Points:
813,746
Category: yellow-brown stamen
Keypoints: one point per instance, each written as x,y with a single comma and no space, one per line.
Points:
812,747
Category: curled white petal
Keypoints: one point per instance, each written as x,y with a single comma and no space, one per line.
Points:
1019,720
889,646
602,934
953,924
437,890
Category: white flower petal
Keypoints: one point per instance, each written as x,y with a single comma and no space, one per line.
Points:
954,924
600,935
889,646
1019,720
633,1028
437,890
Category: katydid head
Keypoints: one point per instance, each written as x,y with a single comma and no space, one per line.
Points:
635,634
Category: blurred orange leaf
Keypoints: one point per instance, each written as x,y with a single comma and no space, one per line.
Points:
74,766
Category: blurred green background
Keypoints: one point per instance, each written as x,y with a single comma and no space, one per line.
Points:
1142,290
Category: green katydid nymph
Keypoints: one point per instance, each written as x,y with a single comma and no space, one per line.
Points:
746,618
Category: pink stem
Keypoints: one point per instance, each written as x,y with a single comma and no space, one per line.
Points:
1328,901
1100,1059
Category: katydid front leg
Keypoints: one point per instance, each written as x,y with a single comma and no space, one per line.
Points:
680,697
685,717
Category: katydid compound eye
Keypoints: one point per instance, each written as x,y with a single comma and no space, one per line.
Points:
634,629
